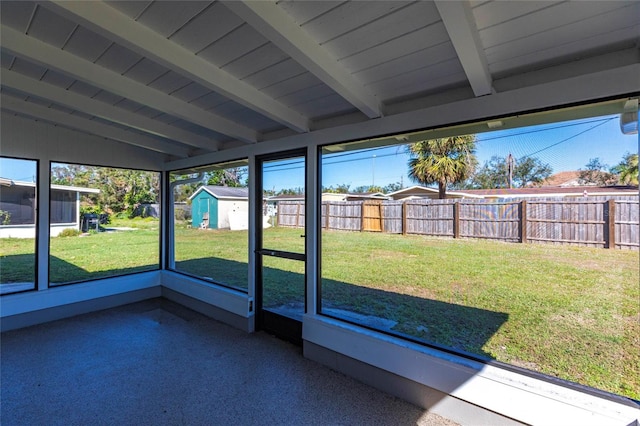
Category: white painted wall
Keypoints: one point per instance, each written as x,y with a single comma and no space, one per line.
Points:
236,211
29,231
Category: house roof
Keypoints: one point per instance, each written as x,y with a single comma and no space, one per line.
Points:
9,182
567,178
190,78
425,191
224,192
570,191
286,197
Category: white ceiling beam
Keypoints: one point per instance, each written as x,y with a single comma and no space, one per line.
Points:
277,26
461,26
87,105
48,56
114,25
88,126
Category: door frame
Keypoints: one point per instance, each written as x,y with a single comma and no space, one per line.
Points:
282,326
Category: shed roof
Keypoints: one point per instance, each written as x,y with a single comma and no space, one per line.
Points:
224,192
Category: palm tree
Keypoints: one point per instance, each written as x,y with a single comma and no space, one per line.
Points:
627,169
443,161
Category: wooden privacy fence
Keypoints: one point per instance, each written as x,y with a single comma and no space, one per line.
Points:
609,222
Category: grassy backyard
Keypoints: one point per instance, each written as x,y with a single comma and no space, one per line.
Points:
570,312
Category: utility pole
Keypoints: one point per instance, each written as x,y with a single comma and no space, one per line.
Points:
373,173
511,163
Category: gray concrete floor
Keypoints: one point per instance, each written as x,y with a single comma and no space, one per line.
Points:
158,363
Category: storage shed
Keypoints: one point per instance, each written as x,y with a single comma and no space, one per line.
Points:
217,207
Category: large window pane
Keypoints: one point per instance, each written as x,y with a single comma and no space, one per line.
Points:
531,258
104,222
211,220
18,185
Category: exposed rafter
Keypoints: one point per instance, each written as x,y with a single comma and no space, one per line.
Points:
458,20
32,49
100,109
88,126
272,22
111,23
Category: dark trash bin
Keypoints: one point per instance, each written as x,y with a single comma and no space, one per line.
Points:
90,221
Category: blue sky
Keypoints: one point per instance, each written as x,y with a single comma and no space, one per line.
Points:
564,146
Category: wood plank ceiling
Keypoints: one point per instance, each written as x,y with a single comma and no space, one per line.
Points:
189,77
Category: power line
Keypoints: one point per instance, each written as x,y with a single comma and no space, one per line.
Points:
603,120
599,121
569,138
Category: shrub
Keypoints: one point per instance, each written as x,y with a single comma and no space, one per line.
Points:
69,232
5,217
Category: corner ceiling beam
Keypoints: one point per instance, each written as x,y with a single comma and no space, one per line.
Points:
48,56
272,22
88,126
87,105
114,25
461,26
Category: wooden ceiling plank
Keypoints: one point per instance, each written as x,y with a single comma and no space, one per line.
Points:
91,127
43,54
110,23
277,26
94,107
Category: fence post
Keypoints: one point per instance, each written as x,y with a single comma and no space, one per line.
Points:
404,218
456,220
327,207
362,216
522,213
610,224
298,216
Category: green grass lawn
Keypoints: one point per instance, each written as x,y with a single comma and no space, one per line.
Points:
571,312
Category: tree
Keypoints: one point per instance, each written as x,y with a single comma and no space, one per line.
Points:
442,161
528,171
123,190
627,169
596,174
338,189
492,174
364,189
392,187
233,177
291,191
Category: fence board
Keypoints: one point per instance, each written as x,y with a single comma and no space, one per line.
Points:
576,221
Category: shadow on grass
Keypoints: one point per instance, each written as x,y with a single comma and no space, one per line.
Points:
450,325
64,272
17,268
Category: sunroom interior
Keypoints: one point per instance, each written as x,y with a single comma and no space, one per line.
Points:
275,92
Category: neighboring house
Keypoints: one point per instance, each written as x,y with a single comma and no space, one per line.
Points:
18,207
353,196
424,192
555,191
564,179
270,208
220,207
